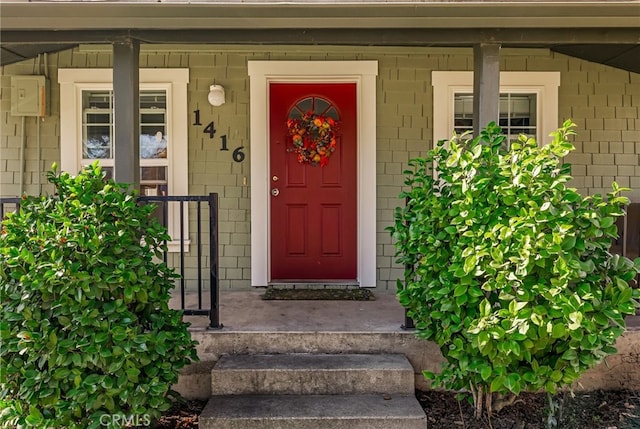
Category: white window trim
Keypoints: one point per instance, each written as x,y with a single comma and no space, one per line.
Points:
543,84
174,81
363,74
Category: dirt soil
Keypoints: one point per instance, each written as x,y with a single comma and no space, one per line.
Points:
586,410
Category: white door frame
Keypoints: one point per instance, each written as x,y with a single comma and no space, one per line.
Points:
363,74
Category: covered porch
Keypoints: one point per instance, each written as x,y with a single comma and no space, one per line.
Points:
255,326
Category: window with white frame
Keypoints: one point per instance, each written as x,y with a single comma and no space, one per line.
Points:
98,131
87,129
528,103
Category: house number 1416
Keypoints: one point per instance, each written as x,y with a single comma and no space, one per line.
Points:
210,129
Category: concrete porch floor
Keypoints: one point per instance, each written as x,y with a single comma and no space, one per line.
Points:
245,310
256,326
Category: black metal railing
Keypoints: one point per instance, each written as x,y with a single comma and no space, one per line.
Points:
408,322
182,240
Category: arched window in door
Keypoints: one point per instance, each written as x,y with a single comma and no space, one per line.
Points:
318,105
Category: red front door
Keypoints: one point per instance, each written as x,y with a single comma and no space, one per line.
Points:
313,208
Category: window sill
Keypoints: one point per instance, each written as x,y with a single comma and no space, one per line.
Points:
174,246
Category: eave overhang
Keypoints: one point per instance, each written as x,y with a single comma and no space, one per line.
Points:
603,31
172,15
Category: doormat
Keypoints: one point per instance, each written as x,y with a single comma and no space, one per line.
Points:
319,294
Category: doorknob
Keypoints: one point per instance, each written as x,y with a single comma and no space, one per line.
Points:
275,192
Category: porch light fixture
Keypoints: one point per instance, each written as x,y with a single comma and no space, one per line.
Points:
216,95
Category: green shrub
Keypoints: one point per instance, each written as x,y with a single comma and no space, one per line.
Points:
509,270
86,330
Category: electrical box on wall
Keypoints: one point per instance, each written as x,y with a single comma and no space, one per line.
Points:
29,96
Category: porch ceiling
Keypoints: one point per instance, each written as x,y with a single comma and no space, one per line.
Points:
14,52
601,31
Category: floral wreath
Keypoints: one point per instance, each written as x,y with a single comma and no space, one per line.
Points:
313,138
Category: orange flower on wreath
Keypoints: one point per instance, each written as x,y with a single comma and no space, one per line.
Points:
313,138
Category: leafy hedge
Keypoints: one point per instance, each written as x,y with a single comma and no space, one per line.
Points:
509,269
86,331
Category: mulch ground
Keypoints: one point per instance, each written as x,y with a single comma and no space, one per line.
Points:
586,410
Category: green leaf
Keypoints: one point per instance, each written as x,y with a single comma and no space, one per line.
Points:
512,382
497,385
470,264
625,296
575,320
91,380
485,308
569,243
451,229
485,373
558,331
516,306
101,337
556,376
606,222
53,339
128,293
35,416
460,290
570,355
132,374
61,373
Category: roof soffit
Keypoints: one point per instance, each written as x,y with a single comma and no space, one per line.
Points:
77,15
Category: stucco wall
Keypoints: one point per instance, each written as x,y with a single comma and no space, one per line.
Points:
603,101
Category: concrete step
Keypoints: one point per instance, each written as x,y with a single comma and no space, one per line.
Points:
313,412
317,374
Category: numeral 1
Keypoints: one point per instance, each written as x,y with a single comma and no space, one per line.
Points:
197,120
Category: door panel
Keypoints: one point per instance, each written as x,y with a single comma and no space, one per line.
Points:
331,243
297,220
313,230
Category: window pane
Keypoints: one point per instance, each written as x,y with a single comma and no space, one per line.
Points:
97,124
317,105
153,180
153,99
98,118
153,120
305,105
321,105
97,99
463,113
518,114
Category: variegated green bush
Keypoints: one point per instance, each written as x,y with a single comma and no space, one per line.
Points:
508,268
87,339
